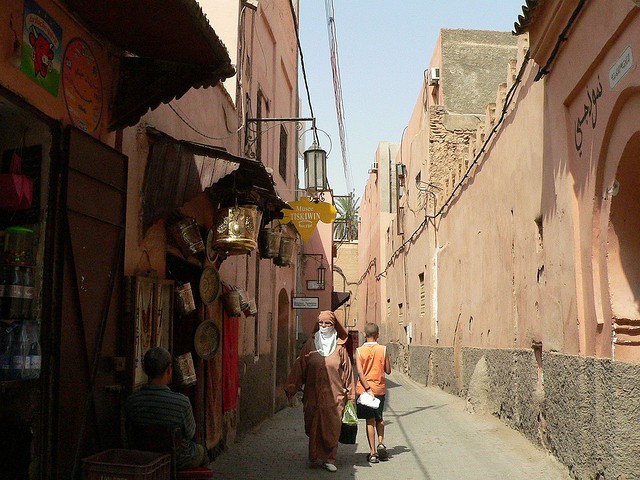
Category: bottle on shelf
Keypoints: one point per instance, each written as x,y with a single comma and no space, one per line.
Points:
17,352
5,351
16,293
27,292
5,302
31,347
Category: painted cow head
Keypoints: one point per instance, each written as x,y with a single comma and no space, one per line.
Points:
42,53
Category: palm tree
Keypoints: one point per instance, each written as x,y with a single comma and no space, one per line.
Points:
346,224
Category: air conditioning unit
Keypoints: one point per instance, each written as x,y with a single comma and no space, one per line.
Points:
434,76
374,168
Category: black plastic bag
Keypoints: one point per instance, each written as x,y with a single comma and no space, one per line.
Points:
348,434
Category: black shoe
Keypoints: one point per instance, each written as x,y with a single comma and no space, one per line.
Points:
382,452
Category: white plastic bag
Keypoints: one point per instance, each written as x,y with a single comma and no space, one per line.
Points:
368,400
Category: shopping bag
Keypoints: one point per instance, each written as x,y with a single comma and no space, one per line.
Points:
16,189
348,434
349,415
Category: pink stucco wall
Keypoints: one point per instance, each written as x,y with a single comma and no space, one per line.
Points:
534,247
269,63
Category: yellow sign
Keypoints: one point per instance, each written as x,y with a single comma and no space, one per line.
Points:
306,214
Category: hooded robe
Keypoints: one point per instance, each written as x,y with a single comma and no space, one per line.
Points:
328,384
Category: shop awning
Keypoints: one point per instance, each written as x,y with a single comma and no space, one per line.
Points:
178,170
168,47
338,299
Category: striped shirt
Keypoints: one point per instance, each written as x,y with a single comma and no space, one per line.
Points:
158,405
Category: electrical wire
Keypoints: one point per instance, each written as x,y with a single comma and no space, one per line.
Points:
443,209
542,71
188,124
304,71
337,89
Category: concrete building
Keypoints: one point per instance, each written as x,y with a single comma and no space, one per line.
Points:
511,280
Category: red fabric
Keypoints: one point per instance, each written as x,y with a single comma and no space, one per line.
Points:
230,375
16,190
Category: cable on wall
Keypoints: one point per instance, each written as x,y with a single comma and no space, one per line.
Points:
444,207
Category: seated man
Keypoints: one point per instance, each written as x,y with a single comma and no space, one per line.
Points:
156,404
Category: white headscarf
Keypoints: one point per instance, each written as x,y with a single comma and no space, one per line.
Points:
326,338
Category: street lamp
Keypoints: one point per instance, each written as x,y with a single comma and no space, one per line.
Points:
321,274
315,168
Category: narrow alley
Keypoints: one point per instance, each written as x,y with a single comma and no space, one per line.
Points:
429,435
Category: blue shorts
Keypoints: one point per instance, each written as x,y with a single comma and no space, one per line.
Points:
367,413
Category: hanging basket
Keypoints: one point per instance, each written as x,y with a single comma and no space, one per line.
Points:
235,229
270,242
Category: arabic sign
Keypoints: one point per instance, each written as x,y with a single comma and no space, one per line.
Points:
41,48
305,302
622,66
589,115
305,215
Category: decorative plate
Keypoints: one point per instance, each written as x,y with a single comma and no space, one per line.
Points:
207,339
209,285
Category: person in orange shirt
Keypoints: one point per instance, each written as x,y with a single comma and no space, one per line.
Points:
372,363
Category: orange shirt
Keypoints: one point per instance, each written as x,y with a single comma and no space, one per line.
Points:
372,358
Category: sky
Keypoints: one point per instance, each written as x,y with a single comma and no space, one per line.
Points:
384,46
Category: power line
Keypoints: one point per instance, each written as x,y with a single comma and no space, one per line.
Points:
337,89
304,71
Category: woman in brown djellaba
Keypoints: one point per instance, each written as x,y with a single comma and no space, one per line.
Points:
324,368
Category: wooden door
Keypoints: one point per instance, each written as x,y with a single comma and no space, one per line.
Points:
92,231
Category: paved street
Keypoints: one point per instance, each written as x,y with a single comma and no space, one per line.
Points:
429,436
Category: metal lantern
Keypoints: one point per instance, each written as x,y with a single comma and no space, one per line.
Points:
235,230
285,255
315,169
269,240
321,275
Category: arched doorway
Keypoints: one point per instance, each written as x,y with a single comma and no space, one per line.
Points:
283,349
623,252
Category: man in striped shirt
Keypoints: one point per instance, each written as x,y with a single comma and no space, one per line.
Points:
156,404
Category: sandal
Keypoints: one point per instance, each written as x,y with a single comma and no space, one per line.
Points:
373,458
382,452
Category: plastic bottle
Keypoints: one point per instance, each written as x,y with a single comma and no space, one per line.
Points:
33,357
16,292
5,302
27,292
17,352
5,351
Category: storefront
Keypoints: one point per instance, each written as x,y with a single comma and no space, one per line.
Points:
74,74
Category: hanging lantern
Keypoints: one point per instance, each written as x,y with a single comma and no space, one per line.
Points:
285,254
235,230
321,275
186,234
315,169
269,240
